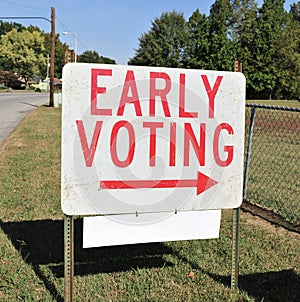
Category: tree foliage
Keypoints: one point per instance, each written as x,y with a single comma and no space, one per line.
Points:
9,79
295,11
21,55
5,27
265,39
268,30
163,44
92,56
241,31
22,52
220,47
197,42
59,55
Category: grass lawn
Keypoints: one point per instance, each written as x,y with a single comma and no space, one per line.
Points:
31,236
288,103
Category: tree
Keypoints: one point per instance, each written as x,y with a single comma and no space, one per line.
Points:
90,56
242,33
163,44
241,27
221,47
295,11
5,27
105,60
59,56
243,15
60,52
196,51
288,61
22,52
9,79
288,57
268,29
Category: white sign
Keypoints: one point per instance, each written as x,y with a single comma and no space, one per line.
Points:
150,227
150,139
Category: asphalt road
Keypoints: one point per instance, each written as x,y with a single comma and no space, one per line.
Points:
15,106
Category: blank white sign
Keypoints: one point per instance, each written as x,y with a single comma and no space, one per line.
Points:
151,227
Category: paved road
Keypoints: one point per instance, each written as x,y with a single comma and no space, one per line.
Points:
14,106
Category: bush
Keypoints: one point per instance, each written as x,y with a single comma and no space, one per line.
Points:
37,89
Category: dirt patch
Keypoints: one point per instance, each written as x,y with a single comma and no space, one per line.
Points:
13,142
269,220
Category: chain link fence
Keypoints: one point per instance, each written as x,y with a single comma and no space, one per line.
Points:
272,158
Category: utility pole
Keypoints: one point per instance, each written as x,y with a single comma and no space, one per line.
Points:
48,65
51,101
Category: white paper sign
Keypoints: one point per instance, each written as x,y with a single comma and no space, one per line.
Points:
153,227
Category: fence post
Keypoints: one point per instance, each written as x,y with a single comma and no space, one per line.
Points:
246,175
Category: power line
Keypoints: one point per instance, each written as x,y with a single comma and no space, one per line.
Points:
65,28
23,5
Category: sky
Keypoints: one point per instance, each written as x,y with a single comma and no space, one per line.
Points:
110,27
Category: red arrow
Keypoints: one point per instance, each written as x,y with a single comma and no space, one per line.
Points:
202,182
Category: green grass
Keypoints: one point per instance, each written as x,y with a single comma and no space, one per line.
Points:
288,103
31,236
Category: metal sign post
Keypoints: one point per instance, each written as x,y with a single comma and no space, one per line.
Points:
235,248
68,257
236,212
237,67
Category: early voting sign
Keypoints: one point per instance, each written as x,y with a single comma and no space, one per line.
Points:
139,140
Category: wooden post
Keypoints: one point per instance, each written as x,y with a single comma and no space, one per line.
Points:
51,101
